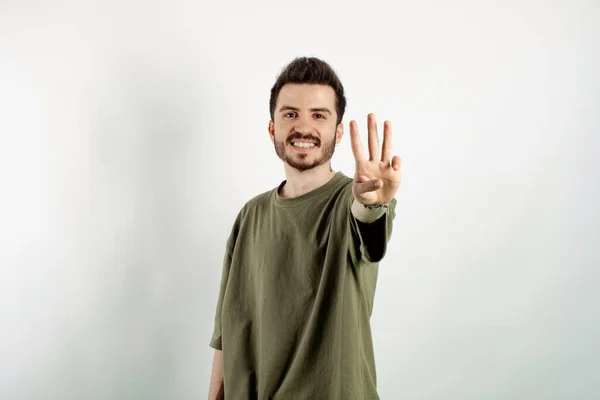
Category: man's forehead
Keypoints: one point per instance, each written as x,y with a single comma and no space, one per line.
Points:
307,92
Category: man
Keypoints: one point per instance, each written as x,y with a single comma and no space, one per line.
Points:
300,270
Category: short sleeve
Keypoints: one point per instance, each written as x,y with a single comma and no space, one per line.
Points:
216,340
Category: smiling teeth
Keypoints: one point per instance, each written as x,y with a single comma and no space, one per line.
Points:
304,145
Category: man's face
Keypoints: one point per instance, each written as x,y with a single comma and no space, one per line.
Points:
304,126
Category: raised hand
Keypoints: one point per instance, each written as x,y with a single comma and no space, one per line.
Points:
377,178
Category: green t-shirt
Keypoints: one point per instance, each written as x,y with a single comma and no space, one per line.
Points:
296,296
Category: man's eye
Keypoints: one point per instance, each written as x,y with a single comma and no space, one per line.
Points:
319,116
290,115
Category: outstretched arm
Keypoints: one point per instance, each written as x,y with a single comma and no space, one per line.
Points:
376,182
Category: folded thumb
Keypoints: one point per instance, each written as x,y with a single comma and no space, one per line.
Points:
369,186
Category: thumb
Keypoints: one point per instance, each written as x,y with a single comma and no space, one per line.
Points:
367,186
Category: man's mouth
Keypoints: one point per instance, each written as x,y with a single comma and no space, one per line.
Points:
303,145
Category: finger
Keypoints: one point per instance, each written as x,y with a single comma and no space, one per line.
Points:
368,186
373,139
357,148
386,152
396,163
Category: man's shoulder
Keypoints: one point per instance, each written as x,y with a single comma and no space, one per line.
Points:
259,201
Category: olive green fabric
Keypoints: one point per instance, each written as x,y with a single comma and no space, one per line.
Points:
297,289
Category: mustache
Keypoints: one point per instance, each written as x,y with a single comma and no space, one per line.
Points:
299,136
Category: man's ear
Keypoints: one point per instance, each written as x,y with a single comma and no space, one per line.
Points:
271,130
339,132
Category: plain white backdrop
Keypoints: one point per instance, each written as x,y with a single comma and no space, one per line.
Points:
133,131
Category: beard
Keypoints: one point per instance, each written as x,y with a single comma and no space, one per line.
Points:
298,161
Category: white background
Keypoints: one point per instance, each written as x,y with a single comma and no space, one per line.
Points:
133,131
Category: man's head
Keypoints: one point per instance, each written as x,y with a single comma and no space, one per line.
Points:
307,106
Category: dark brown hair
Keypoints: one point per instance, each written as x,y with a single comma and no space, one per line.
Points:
310,70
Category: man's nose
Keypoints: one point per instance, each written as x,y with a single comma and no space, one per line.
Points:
304,127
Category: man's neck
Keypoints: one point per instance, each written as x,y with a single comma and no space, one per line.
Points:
299,183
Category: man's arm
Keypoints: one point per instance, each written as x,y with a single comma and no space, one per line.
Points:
217,389
373,230
365,215
376,181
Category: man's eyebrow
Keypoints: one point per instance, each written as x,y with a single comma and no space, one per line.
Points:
320,109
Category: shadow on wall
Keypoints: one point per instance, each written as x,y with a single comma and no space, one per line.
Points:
143,324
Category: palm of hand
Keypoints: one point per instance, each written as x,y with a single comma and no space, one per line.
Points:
377,178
